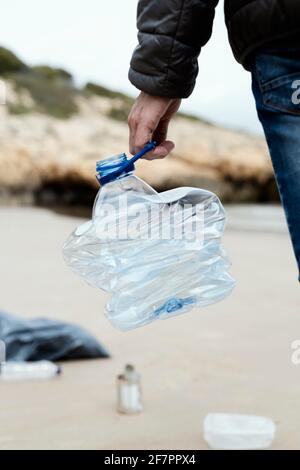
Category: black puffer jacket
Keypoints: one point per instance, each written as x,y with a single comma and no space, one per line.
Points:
172,32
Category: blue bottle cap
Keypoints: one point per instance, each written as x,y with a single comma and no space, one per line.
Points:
112,168
119,165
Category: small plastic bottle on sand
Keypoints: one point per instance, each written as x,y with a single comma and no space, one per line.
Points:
129,391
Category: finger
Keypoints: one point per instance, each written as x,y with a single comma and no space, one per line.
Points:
132,124
161,132
143,134
161,151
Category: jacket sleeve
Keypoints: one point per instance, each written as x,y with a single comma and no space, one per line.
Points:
170,34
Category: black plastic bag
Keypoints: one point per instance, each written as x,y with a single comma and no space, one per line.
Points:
42,338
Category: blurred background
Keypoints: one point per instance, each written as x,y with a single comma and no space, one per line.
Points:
64,66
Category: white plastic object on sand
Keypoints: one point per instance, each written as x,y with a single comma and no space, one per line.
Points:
129,391
228,431
22,371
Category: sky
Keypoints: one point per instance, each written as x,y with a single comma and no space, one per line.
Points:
94,40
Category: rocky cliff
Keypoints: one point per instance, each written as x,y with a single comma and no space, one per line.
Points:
52,133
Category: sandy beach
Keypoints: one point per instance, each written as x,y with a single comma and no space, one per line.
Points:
234,356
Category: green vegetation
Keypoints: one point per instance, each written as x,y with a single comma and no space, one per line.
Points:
50,88
121,103
119,113
194,118
52,73
52,97
18,108
53,92
94,89
9,62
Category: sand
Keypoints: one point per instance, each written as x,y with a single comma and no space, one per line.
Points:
234,356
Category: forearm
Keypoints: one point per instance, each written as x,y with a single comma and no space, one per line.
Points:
171,34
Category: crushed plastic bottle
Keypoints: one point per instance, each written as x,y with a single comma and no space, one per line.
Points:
157,254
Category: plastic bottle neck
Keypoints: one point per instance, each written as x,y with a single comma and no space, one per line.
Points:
118,166
107,169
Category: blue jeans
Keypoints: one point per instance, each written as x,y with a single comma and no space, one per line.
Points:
276,88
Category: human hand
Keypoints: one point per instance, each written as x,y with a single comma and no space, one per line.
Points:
148,120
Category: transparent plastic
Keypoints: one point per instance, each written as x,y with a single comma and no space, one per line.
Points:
228,431
157,254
